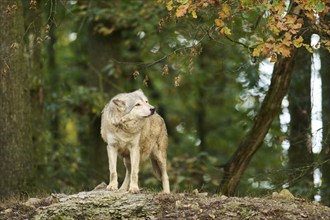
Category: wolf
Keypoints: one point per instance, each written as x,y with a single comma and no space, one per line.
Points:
131,128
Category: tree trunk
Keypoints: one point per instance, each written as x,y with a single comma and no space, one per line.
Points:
33,39
15,137
53,74
253,140
325,153
101,49
300,151
269,109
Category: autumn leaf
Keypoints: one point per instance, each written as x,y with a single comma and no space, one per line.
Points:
268,48
297,26
298,42
257,50
326,43
225,11
219,22
290,19
273,28
205,5
287,39
106,31
286,42
280,25
287,36
182,1
285,51
293,31
194,15
308,48
169,5
246,3
270,39
182,10
225,31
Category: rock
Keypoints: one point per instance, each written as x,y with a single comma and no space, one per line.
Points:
59,195
205,194
104,204
8,210
101,186
195,191
33,202
284,194
223,197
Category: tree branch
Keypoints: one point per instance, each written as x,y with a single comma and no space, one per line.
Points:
151,63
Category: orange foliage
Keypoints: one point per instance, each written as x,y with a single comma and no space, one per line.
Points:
283,28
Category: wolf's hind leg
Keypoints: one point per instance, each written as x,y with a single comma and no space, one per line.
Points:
125,185
159,166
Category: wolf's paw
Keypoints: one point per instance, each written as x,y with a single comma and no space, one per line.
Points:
112,187
134,189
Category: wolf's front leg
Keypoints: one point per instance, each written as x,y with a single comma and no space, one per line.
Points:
112,156
135,165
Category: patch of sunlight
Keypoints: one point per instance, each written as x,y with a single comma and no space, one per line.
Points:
71,134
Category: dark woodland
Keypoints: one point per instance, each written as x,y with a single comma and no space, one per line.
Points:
243,87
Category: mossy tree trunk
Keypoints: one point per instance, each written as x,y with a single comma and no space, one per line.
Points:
16,168
34,42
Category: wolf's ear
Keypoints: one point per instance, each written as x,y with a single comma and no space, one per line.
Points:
119,102
139,91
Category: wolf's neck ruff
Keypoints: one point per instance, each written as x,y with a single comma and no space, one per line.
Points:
131,125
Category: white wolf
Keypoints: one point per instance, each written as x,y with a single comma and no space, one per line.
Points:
131,127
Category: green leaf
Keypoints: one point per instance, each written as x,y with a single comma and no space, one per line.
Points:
320,7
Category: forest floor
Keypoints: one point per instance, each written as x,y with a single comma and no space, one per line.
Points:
103,204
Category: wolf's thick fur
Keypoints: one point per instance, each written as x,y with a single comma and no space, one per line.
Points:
130,127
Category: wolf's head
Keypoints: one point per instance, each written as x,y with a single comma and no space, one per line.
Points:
134,105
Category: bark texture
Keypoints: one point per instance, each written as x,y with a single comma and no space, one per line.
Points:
15,136
33,41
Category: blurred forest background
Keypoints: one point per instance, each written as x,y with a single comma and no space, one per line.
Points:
63,60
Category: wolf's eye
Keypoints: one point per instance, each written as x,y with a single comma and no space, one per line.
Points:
137,104
146,101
